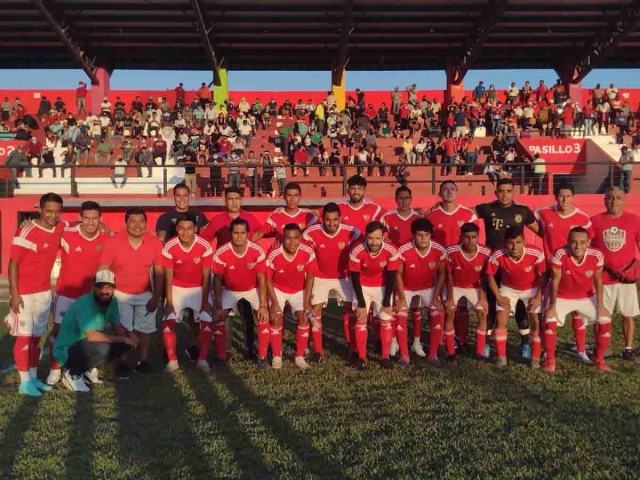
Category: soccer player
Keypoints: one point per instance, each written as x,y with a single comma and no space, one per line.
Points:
331,242
131,255
240,267
397,223
33,253
291,213
290,271
521,270
83,344
187,268
357,211
373,264
419,283
465,266
617,236
82,246
576,286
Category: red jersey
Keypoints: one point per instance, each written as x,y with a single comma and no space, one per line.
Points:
81,92
276,222
522,274
467,272
187,264
218,227
131,266
80,259
35,249
446,226
420,271
577,278
360,217
556,227
398,227
332,251
617,239
372,267
288,274
239,272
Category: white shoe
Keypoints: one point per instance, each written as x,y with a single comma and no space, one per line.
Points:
202,365
418,350
74,383
584,358
91,377
393,351
276,363
301,363
54,377
171,367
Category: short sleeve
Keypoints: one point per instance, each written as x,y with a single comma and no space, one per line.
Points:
108,253
394,262
354,262
167,259
492,265
20,246
269,227
158,258
308,239
448,262
529,218
254,224
219,265
261,262
541,265
312,265
481,210
209,232
556,260
313,219
163,224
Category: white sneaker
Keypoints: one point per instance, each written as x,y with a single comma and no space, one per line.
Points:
91,377
584,358
301,363
418,350
54,377
393,351
276,363
202,365
172,366
74,383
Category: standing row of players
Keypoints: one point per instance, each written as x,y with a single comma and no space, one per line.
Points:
440,269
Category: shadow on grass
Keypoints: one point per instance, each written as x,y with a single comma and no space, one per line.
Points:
79,460
19,423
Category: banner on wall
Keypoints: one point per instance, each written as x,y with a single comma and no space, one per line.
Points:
570,152
8,146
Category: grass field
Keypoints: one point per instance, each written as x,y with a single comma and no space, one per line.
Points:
331,422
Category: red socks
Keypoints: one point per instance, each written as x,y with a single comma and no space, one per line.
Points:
21,355
602,340
353,345
481,341
401,332
551,339
316,333
449,339
361,335
386,335
501,341
461,325
536,346
264,334
54,364
220,338
34,350
580,331
436,325
302,340
346,324
276,341
204,340
169,339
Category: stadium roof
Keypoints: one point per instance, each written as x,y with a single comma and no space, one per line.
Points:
570,36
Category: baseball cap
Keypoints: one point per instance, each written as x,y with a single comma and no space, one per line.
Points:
105,276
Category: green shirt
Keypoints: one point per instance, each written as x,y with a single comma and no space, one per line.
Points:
83,315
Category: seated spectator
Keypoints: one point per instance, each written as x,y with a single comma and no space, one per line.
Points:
34,150
119,171
385,130
18,159
69,159
370,140
245,132
407,149
159,151
144,158
403,171
105,107
104,151
300,160
151,105
44,107
47,161
60,106
420,150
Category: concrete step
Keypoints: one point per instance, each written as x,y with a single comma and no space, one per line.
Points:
608,144
95,186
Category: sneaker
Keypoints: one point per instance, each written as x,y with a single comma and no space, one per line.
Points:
91,377
28,388
418,350
627,354
501,362
435,362
276,363
192,353
123,372
486,353
404,361
263,363
301,363
526,352
549,366
143,367
171,367
43,387
75,383
451,361
584,358
603,367
54,377
203,366
393,350
535,363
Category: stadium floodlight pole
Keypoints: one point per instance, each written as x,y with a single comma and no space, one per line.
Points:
486,23
204,33
602,45
78,53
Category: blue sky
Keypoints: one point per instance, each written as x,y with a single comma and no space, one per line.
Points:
292,81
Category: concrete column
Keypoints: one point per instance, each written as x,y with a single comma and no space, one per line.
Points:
221,93
453,92
338,87
98,92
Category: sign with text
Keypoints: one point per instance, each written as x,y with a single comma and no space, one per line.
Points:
570,152
6,147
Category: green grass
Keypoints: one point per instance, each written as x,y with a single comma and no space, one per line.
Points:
331,422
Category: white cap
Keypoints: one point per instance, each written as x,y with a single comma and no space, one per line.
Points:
105,276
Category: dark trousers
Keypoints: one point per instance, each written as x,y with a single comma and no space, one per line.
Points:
85,355
246,312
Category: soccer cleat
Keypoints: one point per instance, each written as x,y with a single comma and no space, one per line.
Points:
43,387
501,362
28,388
75,383
404,361
584,358
360,365
386,364
526,351
263,363
435,362
394,348
603,367
143,367
535,363
276,363
123,372
451,361
462,349
54,377
549,366
418,350
486,353
192,353
91,377
481,359
301,363
203,366
352,359
171,367
316,357
627,354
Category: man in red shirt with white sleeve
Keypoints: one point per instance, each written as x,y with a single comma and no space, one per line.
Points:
617,236
373,265
187,268
419,283
331,241
290,271
576,286
82,246
33,253
521,280
135,256
357,211
240,266
466,264
397,223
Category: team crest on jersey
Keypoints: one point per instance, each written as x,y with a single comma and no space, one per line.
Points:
439,225
383,264
341,245
302,226
478,268
300,268
196,260
99,248
460,223
589,273
517,218
251,265
614,238
432,264
527,269
366,217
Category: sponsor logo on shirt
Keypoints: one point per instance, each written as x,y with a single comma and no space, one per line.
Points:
412,265
46,245
614,238
232,267
179,261
78,249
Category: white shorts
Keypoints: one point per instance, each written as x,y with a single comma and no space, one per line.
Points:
184,298
60,306
515,295
295,300
372,295
587,307
419,298
133,312
33,319
472,295
230,299
322,288
624,295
